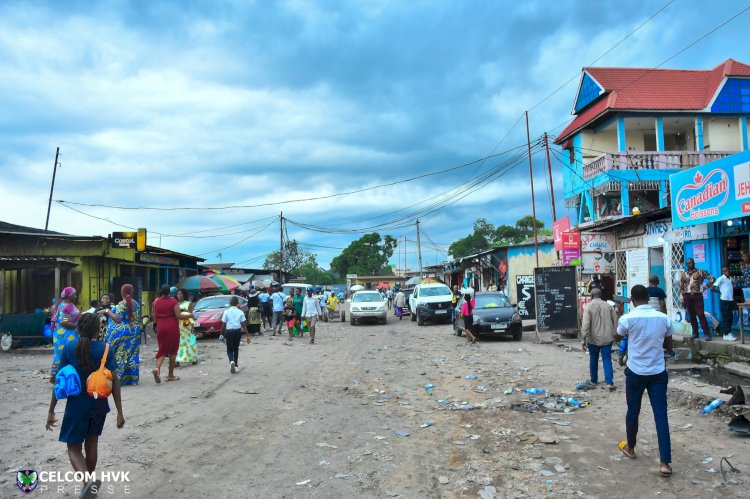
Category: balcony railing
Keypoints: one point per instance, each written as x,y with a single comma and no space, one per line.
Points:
650,160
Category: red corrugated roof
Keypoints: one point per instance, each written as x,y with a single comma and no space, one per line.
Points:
633,89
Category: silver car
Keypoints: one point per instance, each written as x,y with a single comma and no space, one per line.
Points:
367,305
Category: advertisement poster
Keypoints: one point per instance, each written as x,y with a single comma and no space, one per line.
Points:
525,296
597,253
558,228
699,253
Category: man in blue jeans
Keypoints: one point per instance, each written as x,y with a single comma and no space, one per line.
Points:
597,335
649,333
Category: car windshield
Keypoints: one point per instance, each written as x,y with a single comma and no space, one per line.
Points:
213,302
366,297
436,291
492,301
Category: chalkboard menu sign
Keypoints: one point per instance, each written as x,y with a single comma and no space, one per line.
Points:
556,299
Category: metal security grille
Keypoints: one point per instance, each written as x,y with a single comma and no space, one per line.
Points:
673,256
621,266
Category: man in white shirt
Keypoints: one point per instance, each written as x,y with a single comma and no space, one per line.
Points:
277,299
233,324
265,308
311,311
723,285
649,333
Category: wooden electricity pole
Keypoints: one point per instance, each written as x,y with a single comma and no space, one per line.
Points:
531,178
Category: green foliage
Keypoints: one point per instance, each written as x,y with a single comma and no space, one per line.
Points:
368,255
295,258
487,236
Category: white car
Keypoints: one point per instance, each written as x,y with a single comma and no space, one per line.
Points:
431,302
367,305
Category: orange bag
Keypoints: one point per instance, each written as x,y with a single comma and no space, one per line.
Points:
99,382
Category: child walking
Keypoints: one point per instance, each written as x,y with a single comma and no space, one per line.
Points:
290,316
467,310
84,417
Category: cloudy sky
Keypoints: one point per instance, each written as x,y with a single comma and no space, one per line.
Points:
212,104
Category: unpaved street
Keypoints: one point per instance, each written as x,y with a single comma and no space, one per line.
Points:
325,422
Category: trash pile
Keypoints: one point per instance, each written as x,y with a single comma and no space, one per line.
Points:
740,403
550,402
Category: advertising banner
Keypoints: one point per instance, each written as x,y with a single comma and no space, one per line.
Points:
713,192
525,296
597,253
558,227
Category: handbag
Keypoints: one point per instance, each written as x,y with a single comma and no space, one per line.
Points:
99,382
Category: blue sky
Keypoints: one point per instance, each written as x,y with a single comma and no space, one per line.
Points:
222,103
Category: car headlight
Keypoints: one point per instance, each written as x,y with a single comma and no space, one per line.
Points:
516,318
477,319
355,309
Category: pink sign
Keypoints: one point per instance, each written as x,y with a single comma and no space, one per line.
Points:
569,255
558,227
699,253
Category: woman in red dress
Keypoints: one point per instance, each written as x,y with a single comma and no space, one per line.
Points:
166,311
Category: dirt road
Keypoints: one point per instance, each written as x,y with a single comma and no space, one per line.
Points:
331,420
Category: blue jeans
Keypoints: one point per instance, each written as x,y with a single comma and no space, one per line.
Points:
656,384
727,315
606,351
623,345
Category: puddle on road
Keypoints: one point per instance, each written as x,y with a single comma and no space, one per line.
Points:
713,376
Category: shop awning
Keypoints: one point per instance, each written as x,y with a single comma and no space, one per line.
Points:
35,262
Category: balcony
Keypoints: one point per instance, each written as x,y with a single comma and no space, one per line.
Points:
650,160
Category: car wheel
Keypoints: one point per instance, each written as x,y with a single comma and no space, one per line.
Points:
420,320
412,316
352,321
384,320
518,336
343,317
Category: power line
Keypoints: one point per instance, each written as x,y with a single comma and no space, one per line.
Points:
240,241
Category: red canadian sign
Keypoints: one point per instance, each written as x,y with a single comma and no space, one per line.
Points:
558,228
571,240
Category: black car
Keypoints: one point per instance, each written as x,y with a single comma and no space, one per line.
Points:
493,316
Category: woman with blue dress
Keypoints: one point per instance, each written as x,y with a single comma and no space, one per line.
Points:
124,336
63,325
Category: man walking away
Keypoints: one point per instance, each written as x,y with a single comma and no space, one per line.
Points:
277,300
723,285
311,311
265,308
691,282
657,298
597,335
233,324
649,333
400,303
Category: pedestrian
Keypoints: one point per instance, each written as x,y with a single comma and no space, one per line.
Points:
492,287
467,311
84,416
265,308
310,312
253,314
331,303
124,335
649,333
233,323
188,351
290,316
691,287
400,302
597,336
105,303
298,300
166,314
657,296
596,282
389,295
63,326
323,297
724,287
278,298
455,297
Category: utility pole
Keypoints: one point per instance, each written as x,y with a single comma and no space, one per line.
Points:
551,185
419,251
531,178
281,247
52,188
405,256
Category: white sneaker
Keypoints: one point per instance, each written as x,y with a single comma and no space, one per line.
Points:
236,369
232,367
730,337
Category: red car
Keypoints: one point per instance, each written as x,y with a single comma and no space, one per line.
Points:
208,312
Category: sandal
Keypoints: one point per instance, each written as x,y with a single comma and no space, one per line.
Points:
173,378
623,446
157,378
612,388
665,469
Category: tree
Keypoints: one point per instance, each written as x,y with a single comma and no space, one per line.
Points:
312,274
295,258
368,255
487,236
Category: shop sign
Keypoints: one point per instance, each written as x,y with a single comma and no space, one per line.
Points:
503,267
558,228
597,253
169,261
525,296
713,192
663,229
571,240
571,256
699,253
124,239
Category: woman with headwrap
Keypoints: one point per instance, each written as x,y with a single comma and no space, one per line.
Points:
187,353
124,335
63,325
167,314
